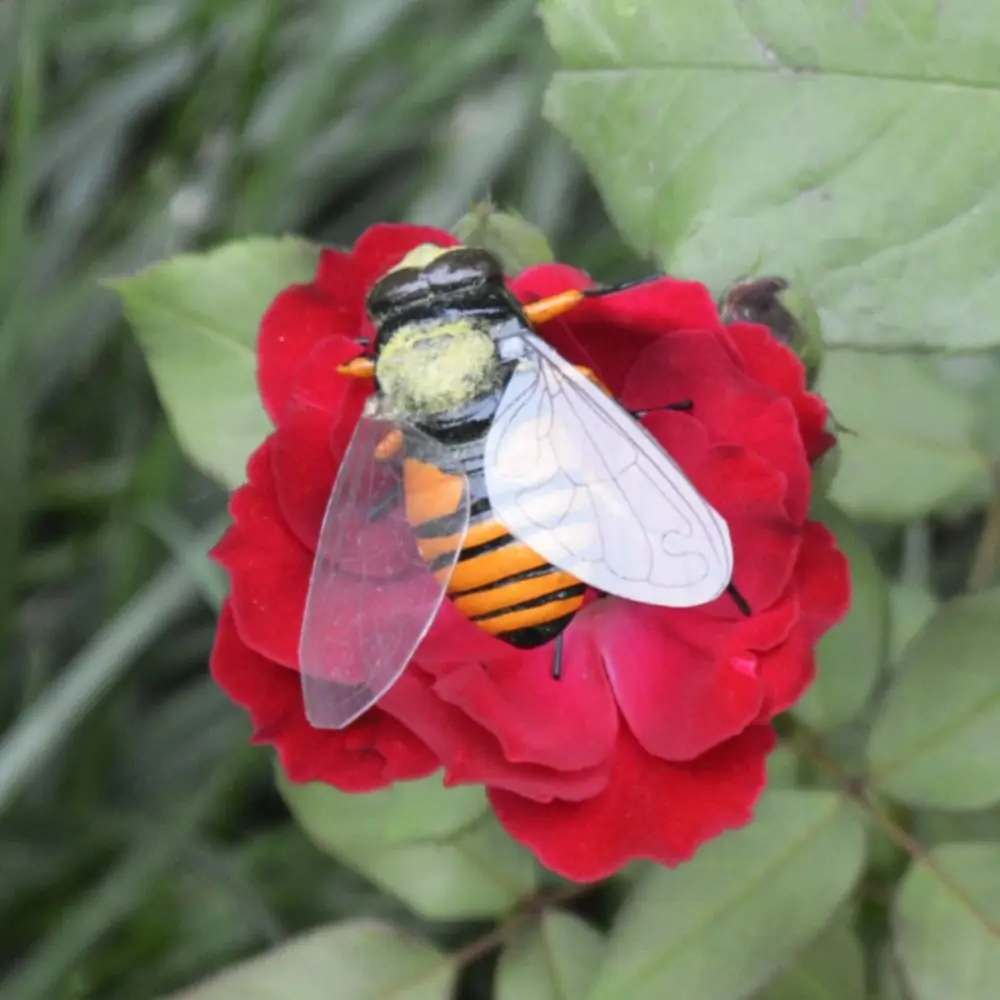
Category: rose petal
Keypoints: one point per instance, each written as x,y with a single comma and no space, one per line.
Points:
299,318
735,408
786,671
680,689
822,597
774,364
749,494
649,809
473,756
337,275
315,429
609,333
372,753
823,576
518,701
268,566
384,245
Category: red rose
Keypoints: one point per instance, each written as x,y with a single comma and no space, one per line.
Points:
655,739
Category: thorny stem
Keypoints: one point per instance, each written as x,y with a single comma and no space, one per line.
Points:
987,556
809,745
856,789
530,910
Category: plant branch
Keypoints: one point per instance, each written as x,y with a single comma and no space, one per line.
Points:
857,790
987,555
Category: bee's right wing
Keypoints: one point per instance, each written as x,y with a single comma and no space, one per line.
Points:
577,479
372,597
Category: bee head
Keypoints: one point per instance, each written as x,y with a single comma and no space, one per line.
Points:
434,275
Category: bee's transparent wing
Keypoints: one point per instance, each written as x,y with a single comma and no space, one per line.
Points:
372,597
579,480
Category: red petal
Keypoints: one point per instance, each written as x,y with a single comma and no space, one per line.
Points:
787,671
372,753
771,362
609,333
296,321
473,756
568,724
679,687
454,639
823,577
337,275
821,598
733,407
315,430
649,809
384,245
268,566
750,495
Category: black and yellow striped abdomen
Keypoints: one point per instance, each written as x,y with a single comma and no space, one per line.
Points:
506,588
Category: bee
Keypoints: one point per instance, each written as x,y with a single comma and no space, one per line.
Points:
758,300
487,469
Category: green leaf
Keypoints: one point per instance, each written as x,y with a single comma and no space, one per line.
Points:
782,767
517,243
831,968
445,859
935,741
911,607
359,960
850,656
406,811
761,136
722,925
887,975
933,826
197,317
945,950
555,958
911,451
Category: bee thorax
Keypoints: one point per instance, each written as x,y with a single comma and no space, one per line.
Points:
431,370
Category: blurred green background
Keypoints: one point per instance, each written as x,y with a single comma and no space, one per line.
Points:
141,842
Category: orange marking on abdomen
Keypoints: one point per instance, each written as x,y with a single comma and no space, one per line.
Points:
433,495
479,571
429,492
530,617
478,534
509,594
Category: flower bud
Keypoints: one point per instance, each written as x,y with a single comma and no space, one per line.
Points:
515,242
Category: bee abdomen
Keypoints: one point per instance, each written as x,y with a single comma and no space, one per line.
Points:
498,582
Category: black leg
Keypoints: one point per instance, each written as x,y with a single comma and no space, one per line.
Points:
684,406
594,293
382,506
558,658
739,600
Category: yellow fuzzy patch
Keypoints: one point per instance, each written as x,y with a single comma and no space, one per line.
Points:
433,369
421,256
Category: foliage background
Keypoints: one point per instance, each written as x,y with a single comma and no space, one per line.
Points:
142,843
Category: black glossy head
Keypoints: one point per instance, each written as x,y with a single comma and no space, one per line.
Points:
453,278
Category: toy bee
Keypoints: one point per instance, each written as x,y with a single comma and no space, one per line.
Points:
488,469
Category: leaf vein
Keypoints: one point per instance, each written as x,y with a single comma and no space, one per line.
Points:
681,65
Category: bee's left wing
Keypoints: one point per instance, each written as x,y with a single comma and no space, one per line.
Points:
575,477
372,596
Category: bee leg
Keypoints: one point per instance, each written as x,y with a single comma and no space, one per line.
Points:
558,658
384,504
621,286
359,367
684,406
739,600
543,310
